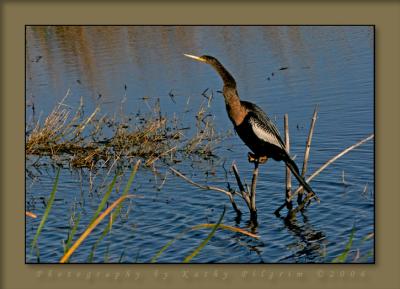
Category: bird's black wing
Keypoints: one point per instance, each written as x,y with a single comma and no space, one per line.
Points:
263,126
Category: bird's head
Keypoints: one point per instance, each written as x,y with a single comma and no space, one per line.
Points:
229,81
204,58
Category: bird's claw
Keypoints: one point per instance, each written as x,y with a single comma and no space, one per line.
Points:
263,159
253,158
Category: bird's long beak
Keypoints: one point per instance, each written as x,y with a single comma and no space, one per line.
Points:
195,57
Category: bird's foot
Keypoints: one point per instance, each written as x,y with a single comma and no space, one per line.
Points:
253,158
263,159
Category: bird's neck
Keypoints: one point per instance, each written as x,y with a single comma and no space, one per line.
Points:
236,111
225,75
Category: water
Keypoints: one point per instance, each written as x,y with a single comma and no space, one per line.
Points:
282,69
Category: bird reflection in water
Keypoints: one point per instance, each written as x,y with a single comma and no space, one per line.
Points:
310,244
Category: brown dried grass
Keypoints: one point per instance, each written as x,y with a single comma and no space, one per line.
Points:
82,141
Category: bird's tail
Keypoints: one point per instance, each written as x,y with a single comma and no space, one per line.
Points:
295,171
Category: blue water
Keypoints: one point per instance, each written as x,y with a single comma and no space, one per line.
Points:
282,69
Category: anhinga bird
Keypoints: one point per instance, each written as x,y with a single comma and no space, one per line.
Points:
252,125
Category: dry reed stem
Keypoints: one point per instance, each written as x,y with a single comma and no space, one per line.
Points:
226,227
81,127
71,125
149,162
307,151
29,214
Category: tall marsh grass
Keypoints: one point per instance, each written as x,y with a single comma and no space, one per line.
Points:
46,214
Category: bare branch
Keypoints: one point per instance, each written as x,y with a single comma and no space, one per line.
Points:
325,165
206,187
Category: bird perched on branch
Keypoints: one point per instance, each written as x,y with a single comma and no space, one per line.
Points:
252,125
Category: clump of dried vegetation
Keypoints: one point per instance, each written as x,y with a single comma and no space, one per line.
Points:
89,141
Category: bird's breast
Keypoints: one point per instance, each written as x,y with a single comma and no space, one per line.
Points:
236,114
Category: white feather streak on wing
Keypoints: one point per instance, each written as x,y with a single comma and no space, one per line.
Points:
264,134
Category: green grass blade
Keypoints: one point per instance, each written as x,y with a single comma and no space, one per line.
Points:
107,254
96,222
94,247
198,227
368,237
342,257
154,259
121,256
104,200
96,214
37,254
72,233
126,189
205,241
115,213
226,227
47,210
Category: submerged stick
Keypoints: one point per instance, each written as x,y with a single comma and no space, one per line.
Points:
244,193
345,151
288,192
301,205
206,187
253,208
249,196
324,166
234,206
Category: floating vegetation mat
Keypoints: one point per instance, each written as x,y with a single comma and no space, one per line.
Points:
79,140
